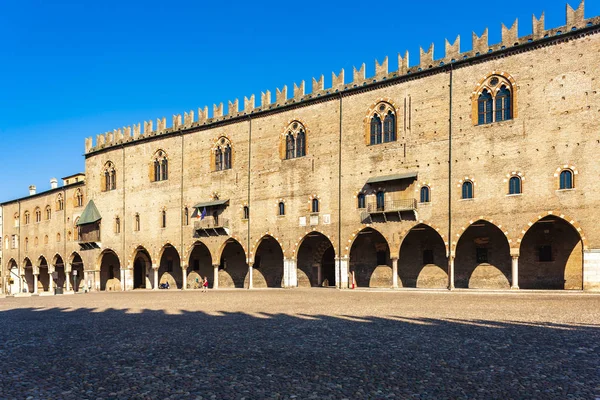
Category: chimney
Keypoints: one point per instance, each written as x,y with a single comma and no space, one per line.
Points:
31,190
53,183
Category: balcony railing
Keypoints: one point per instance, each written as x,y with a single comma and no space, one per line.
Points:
392,206
211,226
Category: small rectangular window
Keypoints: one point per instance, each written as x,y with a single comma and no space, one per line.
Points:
545,253
428,257
482,255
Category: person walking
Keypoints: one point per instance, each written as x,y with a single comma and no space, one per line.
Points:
204,284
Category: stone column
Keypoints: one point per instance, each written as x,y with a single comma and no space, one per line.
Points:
215,276
250,275
51,270
451,272
591,269
68,269
319,273
341,272
155,270
515,272
35,283
184,275
290,275
395,273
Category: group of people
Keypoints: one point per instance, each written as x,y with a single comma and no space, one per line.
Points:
165,285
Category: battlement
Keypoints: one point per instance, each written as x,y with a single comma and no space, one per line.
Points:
575,20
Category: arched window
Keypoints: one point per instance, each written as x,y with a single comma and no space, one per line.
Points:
566,179
35,241
46,239
79,198
467,190
26,218
281,208
514,185
58,237
382,124
380,198
485,106
494,100
117,225
48,212
315,205
163,219
425,194
295,140
186,216
38,215
76,229
16,220
222,153
109,177
160,166
137,222
26,244
360,200
246,212
60,202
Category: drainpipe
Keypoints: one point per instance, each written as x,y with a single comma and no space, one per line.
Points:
249,209
450,256
183,272
339,284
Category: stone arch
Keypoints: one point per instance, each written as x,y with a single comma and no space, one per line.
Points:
28,271
169,269
464,227
551,254
13,282
576,225
142,268
267,258
482,259
430,225
257,243
423,258
76,263
60,275
200,265
233,267
370,263
221,248
109,265
354,235
315,260
44,278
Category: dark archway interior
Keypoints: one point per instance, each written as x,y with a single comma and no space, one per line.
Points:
483,258
76,265
199,267
28,270
423,262
370,260
316,251
59,268
44,277
551,256
233,267
170,268
268,264
109,271
141,267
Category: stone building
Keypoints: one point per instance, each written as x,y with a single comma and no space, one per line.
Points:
475,170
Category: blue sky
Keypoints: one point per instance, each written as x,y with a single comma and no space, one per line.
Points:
73,69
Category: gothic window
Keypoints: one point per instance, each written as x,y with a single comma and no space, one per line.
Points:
160,166
48,212
60,202
495,100
76,229
109,177
26,218
79,198
295,140
566,179
360,200
315,205
117,225
467,190
222,153
425,194
38,215
382,124
281,208
514,185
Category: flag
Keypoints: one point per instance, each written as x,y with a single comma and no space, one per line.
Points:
203,214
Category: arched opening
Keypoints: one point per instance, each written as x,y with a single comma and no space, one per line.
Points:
14,280
200,267
551,256
76,272
423,262
59,269
170,268
110,269
370,264
28,274
483,258
316,261
44,277
142,265
268,264
232,265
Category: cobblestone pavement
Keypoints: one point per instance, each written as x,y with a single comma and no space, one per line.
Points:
303,344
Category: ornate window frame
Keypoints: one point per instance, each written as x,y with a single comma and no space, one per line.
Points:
493,83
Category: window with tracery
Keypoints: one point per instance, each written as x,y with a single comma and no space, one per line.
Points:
494,100
222,154
109,177
160,165
38,215
48,212
79,198
382,127
27,218
60,202
295,140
